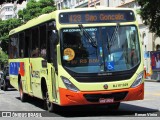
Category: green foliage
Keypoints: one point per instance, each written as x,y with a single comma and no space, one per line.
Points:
150,13
6,26
3,57
20,14
35,9
65,8
138,11
47,9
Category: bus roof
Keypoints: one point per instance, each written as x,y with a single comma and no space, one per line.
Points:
53,15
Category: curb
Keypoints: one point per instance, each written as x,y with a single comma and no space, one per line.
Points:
151,80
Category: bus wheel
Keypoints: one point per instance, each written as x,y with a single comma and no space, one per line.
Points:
114,106
23,96
51,107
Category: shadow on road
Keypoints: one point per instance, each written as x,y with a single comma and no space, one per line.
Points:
93,110
34,101
9,89
101,110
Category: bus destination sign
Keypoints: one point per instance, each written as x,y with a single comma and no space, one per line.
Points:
97,17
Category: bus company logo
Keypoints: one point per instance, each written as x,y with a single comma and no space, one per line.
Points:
105,86
36,74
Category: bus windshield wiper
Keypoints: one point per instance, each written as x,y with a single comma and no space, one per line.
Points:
114,35
88,36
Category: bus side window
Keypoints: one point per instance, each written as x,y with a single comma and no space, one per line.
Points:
27,43
35,43
21,45
10,49
14,46
43,38
43,51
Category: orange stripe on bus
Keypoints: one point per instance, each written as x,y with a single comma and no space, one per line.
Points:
68,97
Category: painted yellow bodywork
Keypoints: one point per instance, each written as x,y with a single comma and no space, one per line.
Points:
32,86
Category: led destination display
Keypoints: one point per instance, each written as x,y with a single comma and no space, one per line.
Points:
97,17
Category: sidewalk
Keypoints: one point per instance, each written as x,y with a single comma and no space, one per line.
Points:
151,80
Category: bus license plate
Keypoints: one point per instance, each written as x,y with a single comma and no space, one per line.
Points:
108,100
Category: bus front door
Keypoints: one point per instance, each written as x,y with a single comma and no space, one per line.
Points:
28,77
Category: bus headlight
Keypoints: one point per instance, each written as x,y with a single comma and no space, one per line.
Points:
69,85
138,80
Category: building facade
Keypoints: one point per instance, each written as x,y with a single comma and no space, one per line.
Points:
10,10
92,3
7,11
19,7
62,4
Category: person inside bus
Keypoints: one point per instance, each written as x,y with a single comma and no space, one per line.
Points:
21,53
133,56
43,51
35,52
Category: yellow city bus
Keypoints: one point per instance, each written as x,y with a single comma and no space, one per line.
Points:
78,57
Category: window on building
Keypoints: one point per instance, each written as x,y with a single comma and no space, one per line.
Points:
144,38
8,16
98,4
9,9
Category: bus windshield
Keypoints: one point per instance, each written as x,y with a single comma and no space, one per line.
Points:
117,49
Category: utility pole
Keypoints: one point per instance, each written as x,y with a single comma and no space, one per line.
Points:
108,3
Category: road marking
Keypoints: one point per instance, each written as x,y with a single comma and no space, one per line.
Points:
147,99
156,94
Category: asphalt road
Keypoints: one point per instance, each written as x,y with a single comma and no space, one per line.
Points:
149,107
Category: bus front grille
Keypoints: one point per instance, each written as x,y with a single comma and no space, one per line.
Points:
95,97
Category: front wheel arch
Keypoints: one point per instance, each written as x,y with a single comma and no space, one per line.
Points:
51,107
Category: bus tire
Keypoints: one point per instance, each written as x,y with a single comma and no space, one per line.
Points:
51,107
23,96
114,106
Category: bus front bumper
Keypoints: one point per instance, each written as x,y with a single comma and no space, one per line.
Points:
68,97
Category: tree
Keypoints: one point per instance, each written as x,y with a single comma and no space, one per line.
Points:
3,57
150,13
35,9
6,26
